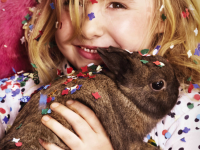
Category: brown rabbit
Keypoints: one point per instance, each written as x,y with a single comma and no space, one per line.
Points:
134,97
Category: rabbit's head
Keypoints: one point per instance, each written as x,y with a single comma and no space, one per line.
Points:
152,88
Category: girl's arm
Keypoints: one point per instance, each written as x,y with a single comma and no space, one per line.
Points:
91,134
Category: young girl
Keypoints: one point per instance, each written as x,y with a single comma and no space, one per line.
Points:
129,24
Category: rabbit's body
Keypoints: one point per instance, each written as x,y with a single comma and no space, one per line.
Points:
128,108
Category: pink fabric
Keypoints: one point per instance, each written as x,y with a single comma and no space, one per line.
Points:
15,55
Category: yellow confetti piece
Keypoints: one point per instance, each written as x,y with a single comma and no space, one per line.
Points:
31,75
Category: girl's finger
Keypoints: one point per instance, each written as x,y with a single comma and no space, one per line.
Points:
87,114
65,134
49,146
80,126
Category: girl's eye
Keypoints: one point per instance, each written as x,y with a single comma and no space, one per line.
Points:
116,5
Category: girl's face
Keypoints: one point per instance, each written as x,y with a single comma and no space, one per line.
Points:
118,23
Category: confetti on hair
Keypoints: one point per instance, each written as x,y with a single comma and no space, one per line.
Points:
56,24
163,17
96,95
196,32
22,40
58,72
39,36
195,62
191,87
156,50
68,80
94,1
189,53
19,126
69,70
47,86
52,5
91,16
31,27
161,8
49,111
172,46
191,7
196,86
185,14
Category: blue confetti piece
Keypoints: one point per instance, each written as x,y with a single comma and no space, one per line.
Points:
79,87
49,111
186,130
158,47
43,100
46,87
52,5
183,139
1,83
91,16
1,98
196,86
25,99
29,18
8,90
12,78
10,108
13,70
5,119
4,80
53,98
197,52
31,27
148,137
17,91
40,88
167,135
74,90
198,116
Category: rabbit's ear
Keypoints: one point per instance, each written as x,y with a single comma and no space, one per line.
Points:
116,61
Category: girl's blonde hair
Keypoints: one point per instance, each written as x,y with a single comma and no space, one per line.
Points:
178,31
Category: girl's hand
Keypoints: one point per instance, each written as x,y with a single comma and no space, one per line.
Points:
91,134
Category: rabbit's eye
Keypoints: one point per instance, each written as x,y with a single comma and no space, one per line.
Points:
158,85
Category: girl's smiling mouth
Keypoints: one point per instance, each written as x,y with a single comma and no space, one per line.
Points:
88,52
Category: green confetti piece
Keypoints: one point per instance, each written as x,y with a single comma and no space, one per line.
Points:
93,67
19,78
23,22
26,79
189,79
34,66
144,61
22,84
19,126
190,106
160,66
145,51
195,62
154,144
27,16
163,17
44,111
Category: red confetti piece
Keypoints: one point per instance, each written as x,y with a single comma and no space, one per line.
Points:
93,1
96,95
8,83
18,144
190,88
157,62
68,80
58,72
91,76
65,92
185,14
3,111
69,70
164,132
80,74
3,87
49,99
197,96
17,84
84,69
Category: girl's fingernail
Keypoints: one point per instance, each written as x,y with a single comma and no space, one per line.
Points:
54,105
41,141
45,118
69,102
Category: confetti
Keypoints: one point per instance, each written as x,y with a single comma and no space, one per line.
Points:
163,17
84,69
52,5
197,97
156,50
13,70
80,74
145,51
185,14
197,52
167,135
91,16
19,126
25,99
196,86
34,66
128,51
148,137
68,80
53,98
15,140
172,46
31,27
198,116
49,111
69,70
8,90
190,88
189,79
42,101
161,7
18,144
189,53
144,61
157,63
47,86
191,7
183,139
49,99
16,92
94,1
65,92
5,119
96,95
44,111
186,130
196,32
3,111
58,72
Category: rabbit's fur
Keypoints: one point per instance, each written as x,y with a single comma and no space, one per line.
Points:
128,108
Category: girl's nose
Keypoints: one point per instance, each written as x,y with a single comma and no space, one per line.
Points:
92,29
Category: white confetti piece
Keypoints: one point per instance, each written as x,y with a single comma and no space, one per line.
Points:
15,140
172,46
161,7
189,53
128,51
196,32
3,9
162,64
5,45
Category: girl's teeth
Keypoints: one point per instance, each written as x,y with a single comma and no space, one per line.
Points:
88,50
